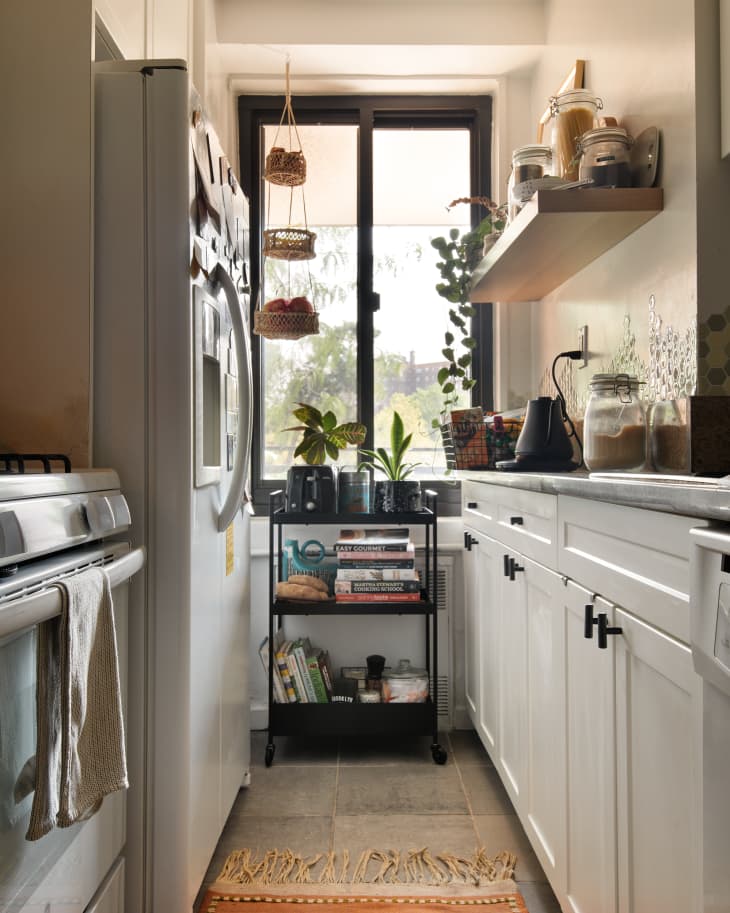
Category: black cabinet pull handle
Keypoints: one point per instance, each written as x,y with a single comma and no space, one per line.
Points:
514,568
604,630
517,521
469,540
466,540
506,565
472,505
589,621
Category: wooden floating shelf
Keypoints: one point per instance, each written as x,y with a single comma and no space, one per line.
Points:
555,235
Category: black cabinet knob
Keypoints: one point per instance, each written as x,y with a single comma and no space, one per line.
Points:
471,505
604,630
517,521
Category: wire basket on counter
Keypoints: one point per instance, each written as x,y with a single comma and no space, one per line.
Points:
480,445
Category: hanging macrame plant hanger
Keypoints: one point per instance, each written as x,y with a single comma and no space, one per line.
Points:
287,168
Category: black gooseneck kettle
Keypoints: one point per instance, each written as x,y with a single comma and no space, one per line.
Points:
544,444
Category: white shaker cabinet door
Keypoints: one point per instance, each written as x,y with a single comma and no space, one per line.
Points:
530,659
590,879
657,700
512,750
544,802
489,564
472,601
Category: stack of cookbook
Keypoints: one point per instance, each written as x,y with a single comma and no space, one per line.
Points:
376,565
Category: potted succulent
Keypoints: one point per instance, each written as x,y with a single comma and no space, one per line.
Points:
460,254
396,493
322,436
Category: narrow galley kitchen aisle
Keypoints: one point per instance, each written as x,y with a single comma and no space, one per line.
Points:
329,794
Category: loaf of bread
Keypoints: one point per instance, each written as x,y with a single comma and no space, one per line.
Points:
309,580
287,590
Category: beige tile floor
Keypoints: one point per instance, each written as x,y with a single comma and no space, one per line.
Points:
325,794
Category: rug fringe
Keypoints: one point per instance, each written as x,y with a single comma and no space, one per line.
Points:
417,866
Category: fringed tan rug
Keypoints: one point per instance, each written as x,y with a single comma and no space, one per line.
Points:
377,882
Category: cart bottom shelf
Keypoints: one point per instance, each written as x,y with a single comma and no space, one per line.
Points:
352,719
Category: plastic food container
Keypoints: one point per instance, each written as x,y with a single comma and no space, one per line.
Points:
614,428
405,684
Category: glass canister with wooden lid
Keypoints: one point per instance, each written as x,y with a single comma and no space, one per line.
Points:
574,113
614,427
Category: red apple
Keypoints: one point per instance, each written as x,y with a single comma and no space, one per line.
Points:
302,305
276,305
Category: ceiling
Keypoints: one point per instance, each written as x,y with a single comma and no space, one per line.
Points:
376,46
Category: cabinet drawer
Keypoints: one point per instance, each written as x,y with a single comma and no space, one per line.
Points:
527,522
637,558
478,505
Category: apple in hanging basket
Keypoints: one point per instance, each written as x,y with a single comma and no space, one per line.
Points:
277,305
301,305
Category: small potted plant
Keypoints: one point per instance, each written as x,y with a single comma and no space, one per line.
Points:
460,254
322,437
396,493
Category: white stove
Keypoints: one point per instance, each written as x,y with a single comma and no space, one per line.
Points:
54,524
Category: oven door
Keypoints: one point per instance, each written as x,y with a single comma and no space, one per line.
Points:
62,870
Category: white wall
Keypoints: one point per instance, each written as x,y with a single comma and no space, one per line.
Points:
45,251
640,61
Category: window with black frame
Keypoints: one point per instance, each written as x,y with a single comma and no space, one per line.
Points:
381,172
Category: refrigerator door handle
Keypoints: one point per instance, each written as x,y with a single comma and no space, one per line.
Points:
243,357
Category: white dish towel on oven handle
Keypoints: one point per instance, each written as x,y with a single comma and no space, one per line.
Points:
80,750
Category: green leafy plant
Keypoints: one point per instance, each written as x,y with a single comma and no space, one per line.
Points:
322,437
392,464
460,254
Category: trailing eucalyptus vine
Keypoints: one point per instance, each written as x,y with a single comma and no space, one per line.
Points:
460,254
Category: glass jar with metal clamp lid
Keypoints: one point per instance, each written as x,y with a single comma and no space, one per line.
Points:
614,427
529,164
605,157
574,113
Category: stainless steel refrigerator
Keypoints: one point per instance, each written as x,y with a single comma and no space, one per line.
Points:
172,412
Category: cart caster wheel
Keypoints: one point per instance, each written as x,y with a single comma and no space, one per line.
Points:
438,754
269,756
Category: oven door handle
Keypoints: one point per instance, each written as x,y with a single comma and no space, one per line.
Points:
27,611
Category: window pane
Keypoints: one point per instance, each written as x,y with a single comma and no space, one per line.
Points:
320,370
417,173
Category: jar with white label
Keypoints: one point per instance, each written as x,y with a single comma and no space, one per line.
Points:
614,427
574,113
529,163
605,157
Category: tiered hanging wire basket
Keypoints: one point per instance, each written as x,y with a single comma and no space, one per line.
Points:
287,168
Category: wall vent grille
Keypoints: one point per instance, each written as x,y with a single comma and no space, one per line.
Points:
444,601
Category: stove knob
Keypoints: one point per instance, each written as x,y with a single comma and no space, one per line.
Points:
310,505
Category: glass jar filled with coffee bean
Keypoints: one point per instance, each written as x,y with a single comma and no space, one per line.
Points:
529,163
605,157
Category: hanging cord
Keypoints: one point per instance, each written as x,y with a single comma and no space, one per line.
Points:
573,355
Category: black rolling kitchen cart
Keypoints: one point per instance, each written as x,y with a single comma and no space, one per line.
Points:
382,719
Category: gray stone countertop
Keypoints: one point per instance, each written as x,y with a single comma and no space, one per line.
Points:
689,496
